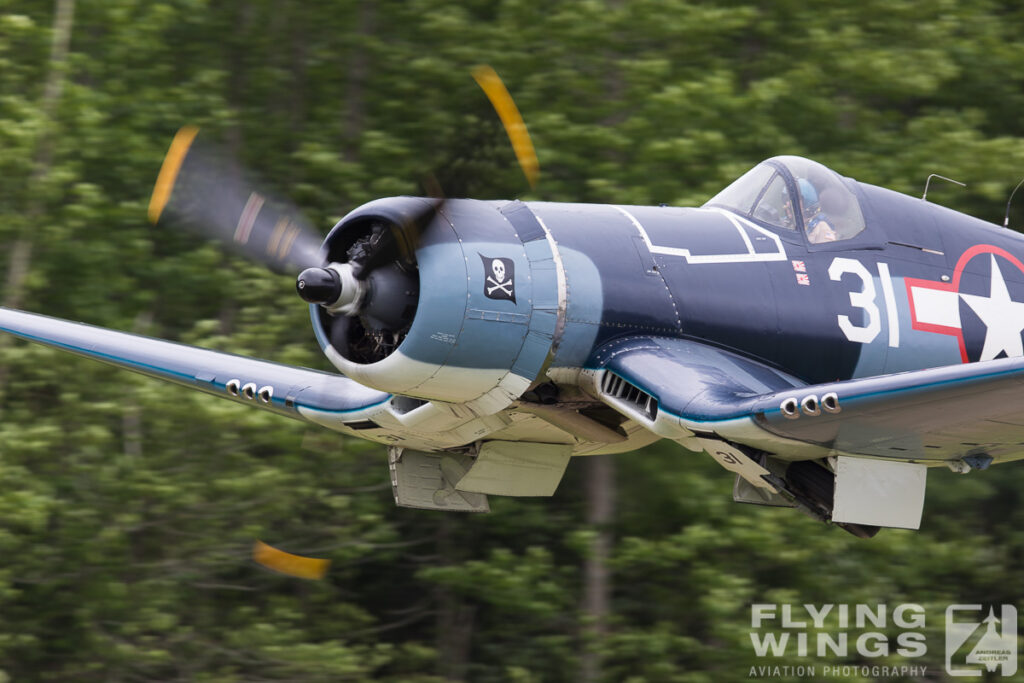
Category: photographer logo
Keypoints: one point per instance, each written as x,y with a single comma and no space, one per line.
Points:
979,642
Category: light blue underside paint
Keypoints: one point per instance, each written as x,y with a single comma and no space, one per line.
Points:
544,292
584,309
488,333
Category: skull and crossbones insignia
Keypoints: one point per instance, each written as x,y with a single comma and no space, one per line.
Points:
500,278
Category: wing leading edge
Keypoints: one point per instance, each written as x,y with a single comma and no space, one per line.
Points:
282,389
973,411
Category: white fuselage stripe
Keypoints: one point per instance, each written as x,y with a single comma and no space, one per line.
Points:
890,305
936,307
563,286
738,222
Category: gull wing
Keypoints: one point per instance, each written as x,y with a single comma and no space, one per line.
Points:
279,388
973,411
681,388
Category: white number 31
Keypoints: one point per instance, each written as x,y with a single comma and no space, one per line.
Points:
865,299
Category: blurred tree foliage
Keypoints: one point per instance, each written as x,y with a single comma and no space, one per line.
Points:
128,508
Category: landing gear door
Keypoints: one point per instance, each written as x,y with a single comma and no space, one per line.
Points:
879,492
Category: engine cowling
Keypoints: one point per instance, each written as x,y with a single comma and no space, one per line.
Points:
455,304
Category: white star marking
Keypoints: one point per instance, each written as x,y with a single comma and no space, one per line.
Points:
1003,317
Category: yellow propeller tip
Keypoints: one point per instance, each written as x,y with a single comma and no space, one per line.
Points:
511,119
286,563
169,171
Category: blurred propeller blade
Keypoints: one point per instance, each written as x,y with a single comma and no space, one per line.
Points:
201,189
511,119
287,563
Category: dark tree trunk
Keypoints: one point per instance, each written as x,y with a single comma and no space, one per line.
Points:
19,259
600,499
358,73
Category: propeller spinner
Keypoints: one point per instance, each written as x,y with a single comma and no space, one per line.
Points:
319,285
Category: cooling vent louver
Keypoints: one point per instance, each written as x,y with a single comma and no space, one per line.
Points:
615,387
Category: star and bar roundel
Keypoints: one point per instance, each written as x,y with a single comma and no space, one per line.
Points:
984,314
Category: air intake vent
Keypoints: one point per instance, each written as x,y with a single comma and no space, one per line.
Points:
615,387
362,424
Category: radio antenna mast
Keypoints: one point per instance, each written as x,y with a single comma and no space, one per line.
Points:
941,177
1006,218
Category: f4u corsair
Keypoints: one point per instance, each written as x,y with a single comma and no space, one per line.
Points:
825,340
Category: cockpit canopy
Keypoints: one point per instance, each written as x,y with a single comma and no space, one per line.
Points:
794,193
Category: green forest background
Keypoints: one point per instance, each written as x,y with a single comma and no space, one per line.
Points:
128,508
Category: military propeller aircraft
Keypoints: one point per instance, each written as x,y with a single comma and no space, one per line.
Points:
825,340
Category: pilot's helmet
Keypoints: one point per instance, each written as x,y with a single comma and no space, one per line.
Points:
808,195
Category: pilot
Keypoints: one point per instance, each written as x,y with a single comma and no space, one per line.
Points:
815,221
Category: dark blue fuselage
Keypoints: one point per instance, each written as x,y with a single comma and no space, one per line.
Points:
822,312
